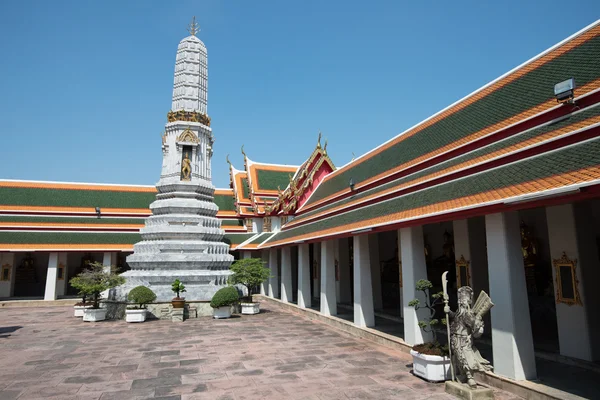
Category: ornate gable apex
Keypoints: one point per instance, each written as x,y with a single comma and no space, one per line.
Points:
188,136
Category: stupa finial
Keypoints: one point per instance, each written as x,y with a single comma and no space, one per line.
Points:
193,28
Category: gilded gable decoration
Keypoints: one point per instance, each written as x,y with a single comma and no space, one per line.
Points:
188,136
567,284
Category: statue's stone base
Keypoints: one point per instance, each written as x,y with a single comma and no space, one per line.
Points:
463,391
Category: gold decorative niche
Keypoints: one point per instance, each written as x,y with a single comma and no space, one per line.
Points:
463,274
567,284
5,275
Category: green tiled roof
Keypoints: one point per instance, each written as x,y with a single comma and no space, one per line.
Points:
269,180
17,237
562,161
232,222
532,133
74,198
245,188
526,92
225,202
261,237
24,219
236,238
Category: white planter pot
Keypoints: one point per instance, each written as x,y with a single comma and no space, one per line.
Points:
250,308
431,368
94,315
222,312
134,315
78,310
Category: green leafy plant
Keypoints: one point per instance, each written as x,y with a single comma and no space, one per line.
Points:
141,295
177,287
94,280
226,296
429,323
249,272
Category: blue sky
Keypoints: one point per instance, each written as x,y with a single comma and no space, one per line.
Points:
85,86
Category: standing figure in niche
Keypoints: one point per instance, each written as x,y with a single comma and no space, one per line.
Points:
466,324
186,168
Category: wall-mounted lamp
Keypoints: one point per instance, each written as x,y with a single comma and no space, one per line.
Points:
564,91
351,184
98,212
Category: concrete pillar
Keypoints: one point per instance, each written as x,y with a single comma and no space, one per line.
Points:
274,280
364,314
51,275
344,268
512,342
246,254
400,277
571,232
264,287
413,269
316,263
375,271
328,298
304,300
7,274
109,259
286,274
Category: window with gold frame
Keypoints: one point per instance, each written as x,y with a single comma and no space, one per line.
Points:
60,273
267,224
463,273
249,224
567,284
5,275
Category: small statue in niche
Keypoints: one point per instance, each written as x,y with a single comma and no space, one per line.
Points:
465,324
448,246
186,167
528,246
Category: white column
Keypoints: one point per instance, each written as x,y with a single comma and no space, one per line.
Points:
400,277
512,342
364,314
246,254
328,298
413,269
264,286
274,281
375,271
50,293
569,234
109,259
7,287
286,274
304,300
61,283
344,266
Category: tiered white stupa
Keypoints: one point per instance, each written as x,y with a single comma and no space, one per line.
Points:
182,239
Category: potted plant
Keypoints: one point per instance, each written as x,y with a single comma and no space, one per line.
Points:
140,295
222,301
94,280
249,272
178,287
430,359
82,305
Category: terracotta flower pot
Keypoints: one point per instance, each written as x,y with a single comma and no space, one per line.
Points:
178,302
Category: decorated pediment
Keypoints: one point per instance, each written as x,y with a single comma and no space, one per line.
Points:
188,136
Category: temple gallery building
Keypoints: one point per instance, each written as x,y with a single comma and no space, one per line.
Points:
501,188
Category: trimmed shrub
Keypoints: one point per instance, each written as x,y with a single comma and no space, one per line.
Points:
226,296
249,272
141,295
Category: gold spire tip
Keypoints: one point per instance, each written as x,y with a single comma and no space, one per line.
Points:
193,27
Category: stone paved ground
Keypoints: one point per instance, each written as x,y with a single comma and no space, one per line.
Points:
47,353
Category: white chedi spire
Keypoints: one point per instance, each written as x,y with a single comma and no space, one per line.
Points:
190,89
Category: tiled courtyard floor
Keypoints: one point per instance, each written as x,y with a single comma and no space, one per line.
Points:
47,353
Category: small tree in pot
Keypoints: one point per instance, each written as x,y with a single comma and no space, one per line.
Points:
94,280
430,359
222,301
178,287
142,296
249,272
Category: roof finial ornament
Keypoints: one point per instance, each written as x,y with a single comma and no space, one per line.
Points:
243,151
319,141
228,162
193,27
325,147
353,157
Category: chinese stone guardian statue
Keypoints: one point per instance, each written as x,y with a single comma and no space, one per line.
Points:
465,325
